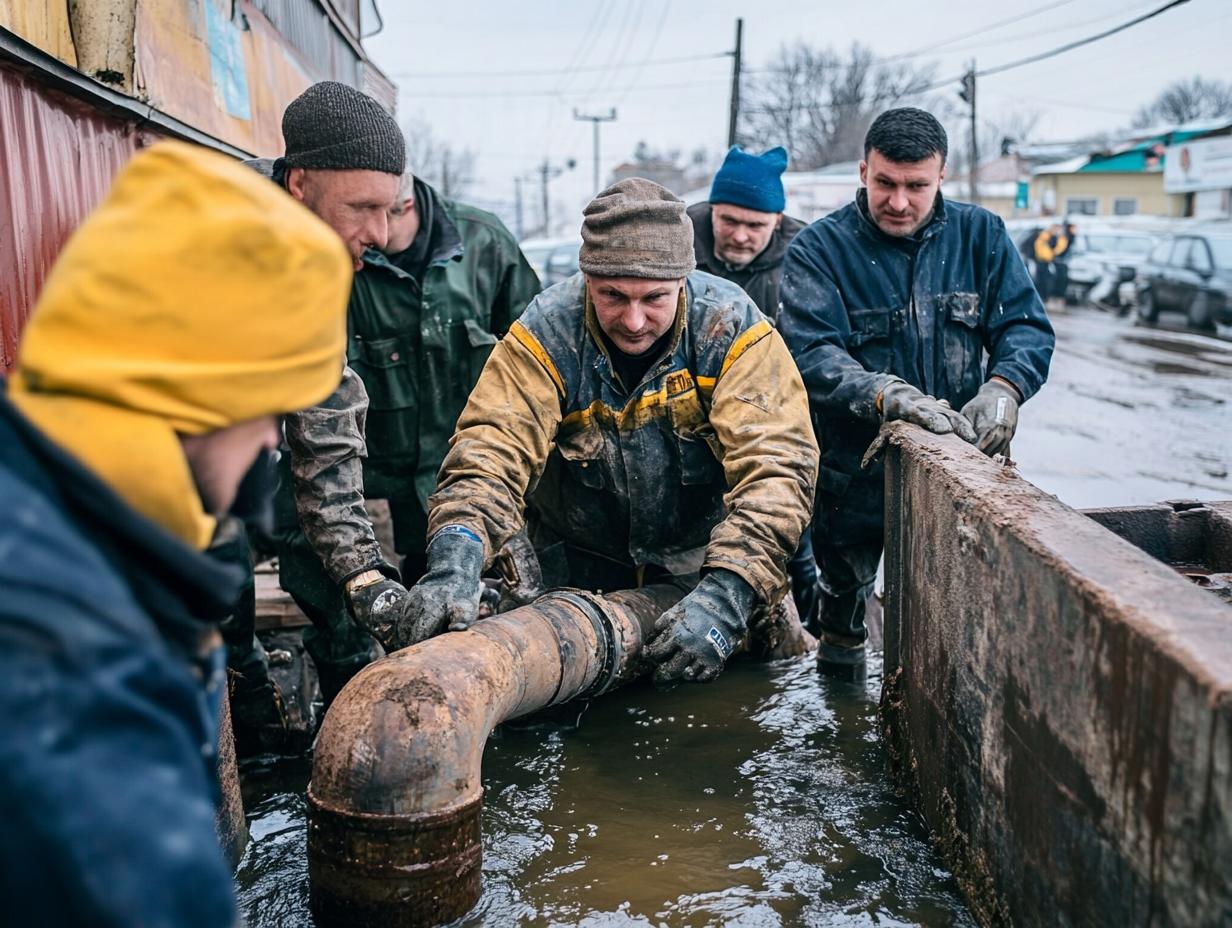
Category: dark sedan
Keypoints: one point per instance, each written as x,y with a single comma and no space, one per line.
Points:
1189,273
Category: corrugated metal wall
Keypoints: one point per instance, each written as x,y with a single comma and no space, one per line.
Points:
42,198
225,68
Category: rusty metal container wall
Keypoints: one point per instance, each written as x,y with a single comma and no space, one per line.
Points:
57,158
1058,702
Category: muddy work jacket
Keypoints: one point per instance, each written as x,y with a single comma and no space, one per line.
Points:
708,461
943,310
415,350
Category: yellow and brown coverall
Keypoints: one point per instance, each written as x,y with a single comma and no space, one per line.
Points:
708,462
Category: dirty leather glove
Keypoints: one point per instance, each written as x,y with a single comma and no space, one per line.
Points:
694,638
376,603
900,400
448,594
994,413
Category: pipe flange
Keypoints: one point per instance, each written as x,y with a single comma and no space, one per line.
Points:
605,631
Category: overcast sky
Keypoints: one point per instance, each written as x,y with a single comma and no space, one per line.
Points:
461,67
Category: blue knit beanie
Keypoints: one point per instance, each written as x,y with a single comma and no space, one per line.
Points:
751,181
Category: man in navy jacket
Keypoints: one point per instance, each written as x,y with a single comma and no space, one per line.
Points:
901,306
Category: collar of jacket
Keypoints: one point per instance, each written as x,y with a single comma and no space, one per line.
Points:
591,320
703,232
184,591
933,227
442,232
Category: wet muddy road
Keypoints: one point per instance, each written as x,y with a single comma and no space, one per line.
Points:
1129,415
762,800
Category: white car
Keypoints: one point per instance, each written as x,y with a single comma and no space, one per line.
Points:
554,259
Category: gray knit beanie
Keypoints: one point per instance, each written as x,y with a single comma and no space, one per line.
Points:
635,228
333,126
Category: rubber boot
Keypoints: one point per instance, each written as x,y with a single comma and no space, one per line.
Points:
841,658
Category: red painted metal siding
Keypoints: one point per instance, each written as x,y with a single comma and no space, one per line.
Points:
57,159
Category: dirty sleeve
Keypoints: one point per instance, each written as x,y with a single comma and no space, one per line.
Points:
815,325
499,448
761,418
1017,334
327,451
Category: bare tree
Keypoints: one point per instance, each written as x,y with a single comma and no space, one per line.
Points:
450,170
818,103
1185,101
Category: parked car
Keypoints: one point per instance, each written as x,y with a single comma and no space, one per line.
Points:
1101,252
1098,249
1189,273
554,259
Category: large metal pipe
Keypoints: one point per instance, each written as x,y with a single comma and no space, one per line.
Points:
395,797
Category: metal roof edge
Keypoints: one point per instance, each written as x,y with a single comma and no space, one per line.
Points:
63,77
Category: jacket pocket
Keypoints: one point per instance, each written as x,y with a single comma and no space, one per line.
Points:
871,337
962,345
479,344
585,457
384,365
700,458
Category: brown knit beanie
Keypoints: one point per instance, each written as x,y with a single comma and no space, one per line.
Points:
635,228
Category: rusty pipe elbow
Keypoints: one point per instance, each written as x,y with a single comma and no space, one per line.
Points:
395,798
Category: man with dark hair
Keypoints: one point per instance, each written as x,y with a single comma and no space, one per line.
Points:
901,306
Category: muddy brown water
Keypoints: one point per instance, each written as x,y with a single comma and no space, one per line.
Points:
761,799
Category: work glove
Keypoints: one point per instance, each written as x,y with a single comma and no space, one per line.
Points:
448,594
900,400
694,638
994,413
376,603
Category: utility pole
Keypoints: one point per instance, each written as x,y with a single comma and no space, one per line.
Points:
734,114
968,95
517,208
595,119
547,171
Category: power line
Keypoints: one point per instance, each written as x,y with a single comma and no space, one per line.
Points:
550,72
933,46
1080,42
488,94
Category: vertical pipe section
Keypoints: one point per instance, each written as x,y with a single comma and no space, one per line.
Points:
395,798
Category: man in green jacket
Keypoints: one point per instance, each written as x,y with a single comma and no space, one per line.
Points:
423,317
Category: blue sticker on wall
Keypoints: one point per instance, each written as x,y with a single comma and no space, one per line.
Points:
227,67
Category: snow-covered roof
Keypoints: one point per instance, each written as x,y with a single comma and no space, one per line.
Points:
1062,167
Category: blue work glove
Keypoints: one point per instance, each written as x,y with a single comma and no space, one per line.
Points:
694,638
994,413
900,400
448,594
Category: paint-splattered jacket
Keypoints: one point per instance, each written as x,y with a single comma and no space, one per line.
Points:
710,454
944,311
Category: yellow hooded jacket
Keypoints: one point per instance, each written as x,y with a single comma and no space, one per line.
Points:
196,296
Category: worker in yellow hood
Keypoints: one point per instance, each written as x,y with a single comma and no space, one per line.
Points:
190,310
